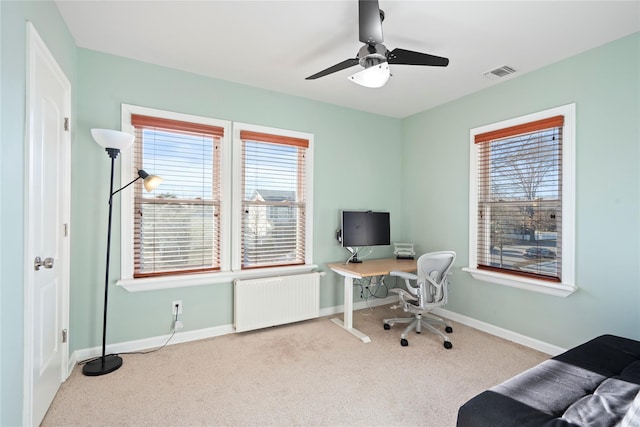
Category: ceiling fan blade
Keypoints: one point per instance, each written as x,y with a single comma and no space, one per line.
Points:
369,22
409,57
338,67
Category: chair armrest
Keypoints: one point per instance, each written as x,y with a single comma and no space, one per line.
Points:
404,295
408,277
404,275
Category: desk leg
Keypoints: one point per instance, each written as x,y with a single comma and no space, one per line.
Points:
348,312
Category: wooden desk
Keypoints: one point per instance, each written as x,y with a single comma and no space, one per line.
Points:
375,267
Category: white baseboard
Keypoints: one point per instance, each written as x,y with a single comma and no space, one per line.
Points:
182,337
501,332
149,343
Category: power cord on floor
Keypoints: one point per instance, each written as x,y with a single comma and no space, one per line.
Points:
153,350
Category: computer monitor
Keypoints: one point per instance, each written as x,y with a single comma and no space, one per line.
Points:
365,228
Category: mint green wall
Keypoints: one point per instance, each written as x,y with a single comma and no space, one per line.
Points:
51,27
604,84
361,161
356,165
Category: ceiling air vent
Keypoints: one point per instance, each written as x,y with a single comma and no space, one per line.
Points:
500,72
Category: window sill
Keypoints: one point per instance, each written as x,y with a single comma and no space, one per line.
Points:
182,281
541,286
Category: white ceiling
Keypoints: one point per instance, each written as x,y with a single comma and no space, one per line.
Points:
276,44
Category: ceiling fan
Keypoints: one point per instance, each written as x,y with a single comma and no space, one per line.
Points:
374,56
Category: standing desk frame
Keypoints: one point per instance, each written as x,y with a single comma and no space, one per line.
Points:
375,267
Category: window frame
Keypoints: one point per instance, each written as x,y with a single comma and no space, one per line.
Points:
179,129
567,284
236,237
230,222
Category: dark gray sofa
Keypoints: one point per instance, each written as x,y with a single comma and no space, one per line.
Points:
595,384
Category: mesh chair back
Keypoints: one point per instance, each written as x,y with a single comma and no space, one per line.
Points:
432,277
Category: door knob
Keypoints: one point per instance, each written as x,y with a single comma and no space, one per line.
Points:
38,262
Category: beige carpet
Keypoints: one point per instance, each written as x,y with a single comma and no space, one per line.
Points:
305,374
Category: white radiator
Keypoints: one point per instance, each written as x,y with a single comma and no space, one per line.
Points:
260,303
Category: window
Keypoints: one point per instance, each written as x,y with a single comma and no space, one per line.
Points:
522,202
177,227
228,207
273,194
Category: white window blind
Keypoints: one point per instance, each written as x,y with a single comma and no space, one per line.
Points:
273,200
519,212
177,227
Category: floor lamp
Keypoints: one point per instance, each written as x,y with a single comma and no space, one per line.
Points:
113,141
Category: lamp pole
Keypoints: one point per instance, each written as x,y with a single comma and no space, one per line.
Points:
106,364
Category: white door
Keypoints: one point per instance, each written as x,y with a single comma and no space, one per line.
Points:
47,190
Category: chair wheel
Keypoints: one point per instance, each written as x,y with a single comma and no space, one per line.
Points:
387,326
448,345
448,329
404,342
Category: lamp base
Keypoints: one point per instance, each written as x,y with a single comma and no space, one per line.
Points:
102,365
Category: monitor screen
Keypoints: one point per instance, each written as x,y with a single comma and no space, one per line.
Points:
365,228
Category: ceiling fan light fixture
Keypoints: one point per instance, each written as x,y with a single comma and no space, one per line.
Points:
373,77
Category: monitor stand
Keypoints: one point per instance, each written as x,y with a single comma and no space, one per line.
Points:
354,256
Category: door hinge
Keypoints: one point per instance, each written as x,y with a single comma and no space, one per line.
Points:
66,124
66,230
64,336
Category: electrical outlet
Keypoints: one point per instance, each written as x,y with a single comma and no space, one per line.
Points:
178,325
176,305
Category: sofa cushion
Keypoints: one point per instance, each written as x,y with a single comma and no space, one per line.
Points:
605,407
607,354
632,417
550,387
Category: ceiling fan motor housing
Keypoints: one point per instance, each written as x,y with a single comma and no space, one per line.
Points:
370,55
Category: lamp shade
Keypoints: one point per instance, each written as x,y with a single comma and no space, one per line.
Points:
109,138
151,182
374,76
